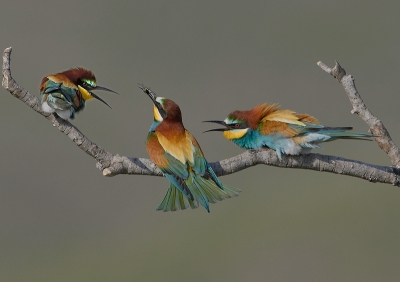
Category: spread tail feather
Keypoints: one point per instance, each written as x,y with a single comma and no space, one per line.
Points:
204,191
175,200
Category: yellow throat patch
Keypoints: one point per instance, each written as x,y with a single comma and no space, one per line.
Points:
85,94
157,115
235,133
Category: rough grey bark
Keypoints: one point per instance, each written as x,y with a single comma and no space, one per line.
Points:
377,128
112,165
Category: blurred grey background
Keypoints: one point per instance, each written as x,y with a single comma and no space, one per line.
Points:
61,220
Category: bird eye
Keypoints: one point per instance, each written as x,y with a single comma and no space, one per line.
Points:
237,125
85,83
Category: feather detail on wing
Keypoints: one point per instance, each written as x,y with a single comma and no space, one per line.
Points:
283,128
62,78
286,116
286,122
307,118
61,90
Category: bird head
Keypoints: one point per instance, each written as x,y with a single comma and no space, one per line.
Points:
238,123
235,127
164,109
86,82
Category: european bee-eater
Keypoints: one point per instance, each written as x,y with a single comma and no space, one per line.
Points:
65,93
284,131
178,155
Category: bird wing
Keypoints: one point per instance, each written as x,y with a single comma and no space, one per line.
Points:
199,163
174,170
285,116
287,122
63,92
63,79
215,191
192,178
183,155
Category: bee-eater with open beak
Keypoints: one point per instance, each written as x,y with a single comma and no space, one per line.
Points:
65,93
284,131
178,155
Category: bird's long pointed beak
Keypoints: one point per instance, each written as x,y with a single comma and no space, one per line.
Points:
98,98
104,89
216,129
150,93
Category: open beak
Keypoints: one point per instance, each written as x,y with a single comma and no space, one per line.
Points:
104,89
98,98
150,93
217,129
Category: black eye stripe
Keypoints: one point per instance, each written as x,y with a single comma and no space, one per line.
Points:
237,125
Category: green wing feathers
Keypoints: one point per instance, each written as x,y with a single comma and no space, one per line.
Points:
192,180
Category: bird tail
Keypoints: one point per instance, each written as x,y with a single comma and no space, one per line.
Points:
343,133
175,200
203,190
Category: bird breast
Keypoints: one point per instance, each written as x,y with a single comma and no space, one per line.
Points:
180,147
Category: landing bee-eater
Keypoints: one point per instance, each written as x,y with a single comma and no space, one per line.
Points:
65,93
284,131
178,155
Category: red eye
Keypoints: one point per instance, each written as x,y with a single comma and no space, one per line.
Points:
237,125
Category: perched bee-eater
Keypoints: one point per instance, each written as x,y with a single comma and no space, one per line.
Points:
178,155
284,131
65,93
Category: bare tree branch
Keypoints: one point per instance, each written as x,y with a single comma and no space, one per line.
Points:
249,158
103,157
112,165
377,128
